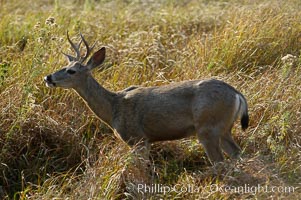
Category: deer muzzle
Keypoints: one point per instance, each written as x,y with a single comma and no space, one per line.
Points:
48,81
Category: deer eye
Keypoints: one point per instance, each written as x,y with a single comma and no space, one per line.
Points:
70,71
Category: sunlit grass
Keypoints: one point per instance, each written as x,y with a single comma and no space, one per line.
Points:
52,146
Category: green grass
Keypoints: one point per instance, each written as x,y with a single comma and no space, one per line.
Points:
53,147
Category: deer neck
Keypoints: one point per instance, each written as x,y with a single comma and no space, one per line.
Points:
98,99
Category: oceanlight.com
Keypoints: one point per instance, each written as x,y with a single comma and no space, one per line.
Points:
243,189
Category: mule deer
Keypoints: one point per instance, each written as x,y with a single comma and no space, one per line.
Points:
206,108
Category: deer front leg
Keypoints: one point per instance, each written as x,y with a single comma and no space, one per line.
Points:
142,150
141,168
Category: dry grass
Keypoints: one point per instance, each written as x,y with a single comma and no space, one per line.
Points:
53,147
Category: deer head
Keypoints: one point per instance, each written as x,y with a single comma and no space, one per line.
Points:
76,71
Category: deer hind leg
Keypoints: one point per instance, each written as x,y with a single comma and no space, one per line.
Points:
229,146
210,139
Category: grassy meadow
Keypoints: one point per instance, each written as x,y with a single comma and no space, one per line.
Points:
53,147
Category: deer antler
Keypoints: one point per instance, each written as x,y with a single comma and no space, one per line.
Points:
77,49
89,49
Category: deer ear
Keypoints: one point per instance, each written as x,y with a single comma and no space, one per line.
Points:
97,58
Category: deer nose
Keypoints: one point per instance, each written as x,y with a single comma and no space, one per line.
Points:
48,78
